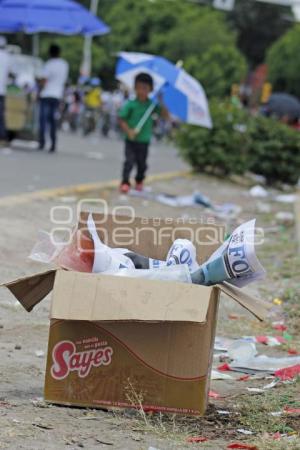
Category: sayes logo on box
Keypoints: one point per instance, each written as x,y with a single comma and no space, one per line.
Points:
66,359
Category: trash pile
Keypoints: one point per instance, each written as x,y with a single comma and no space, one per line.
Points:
286,218
243,357
222,211
234,261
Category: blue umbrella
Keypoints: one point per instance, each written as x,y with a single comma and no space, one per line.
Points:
183,95
51,16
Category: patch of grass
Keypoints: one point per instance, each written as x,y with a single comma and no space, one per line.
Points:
291,298
255,410
176,427
264,443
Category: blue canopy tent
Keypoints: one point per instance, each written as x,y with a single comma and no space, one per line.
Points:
51,16
66,17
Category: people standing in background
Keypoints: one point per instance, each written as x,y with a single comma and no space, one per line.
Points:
4,73
53,80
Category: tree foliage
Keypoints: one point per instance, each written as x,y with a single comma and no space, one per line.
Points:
258,25
176,29
218,68
284,62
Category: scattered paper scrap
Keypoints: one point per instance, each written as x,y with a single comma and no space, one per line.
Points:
256,390
242,431
222,343
285,198
265,363
242,350
271,385
258,192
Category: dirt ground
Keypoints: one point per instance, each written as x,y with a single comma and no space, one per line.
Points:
26,422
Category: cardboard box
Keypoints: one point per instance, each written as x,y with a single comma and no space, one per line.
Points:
125,342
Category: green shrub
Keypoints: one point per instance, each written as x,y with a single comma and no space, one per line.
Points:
283,59
224,149
238,143
275,151
218,68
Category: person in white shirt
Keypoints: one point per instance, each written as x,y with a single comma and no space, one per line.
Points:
54,77
4,72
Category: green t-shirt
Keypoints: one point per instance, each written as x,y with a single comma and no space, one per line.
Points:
133,111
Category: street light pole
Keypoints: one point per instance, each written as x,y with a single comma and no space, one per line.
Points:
87,47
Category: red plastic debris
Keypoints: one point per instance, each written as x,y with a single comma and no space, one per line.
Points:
288,373
213,394
262,339
242,446
281,339
289,410
224,367
276,436
195,439
244,378
293,351
280,327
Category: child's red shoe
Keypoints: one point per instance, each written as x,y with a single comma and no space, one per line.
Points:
139,186
124,188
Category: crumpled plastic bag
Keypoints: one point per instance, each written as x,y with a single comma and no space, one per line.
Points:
77,255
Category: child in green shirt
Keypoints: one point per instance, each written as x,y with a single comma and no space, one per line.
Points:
137,142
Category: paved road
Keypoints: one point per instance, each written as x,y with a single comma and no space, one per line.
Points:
78,160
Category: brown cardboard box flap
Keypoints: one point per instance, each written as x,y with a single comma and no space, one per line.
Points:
82,296
256,306
32,289
107,297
